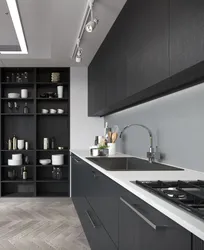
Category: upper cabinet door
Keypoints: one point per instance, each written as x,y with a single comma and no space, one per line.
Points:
186,34
147,40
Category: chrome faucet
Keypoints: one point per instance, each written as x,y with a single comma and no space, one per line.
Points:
151,155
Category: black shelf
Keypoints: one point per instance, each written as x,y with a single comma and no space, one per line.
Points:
53,194
18,150
51,166
8,166
18,195
33,130
63,114
52,99
17,114
17,99
18,84
52,83
52,180
17,181
52,150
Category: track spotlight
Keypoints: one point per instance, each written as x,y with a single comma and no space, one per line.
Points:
79,52
91,25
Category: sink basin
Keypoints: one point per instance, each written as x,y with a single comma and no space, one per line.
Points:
129,164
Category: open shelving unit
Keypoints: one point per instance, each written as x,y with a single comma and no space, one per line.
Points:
33,127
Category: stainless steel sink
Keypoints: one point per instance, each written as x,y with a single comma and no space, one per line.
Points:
129,164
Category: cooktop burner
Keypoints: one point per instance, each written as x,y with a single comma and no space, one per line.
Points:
187,194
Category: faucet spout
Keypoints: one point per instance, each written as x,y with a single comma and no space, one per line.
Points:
143,126
150,153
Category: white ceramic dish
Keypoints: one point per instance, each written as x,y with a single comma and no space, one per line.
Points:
53,111
13,95
60,111
45,161
16,156
45,111
58,159
12,162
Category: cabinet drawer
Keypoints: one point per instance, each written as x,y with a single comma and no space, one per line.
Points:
142,227
95,232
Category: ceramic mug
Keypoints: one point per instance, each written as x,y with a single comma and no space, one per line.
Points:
24,93
20,144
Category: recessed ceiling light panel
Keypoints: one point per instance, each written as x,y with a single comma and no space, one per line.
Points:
14,13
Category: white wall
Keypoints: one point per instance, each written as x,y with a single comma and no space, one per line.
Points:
82,128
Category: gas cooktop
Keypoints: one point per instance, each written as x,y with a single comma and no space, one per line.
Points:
187,194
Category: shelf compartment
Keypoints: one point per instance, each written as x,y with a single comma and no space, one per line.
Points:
17,189
52,150
52,189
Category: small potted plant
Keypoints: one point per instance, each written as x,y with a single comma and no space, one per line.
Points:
103,150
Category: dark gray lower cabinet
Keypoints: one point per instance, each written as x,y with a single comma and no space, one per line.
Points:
197,244
113,218
82,186
141,227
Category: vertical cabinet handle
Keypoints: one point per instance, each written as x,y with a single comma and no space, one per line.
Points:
142,216
90,219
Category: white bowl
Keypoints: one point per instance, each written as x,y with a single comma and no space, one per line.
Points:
60,111
13,95
45,161
45,111
17,157
12,162
58,159
53,111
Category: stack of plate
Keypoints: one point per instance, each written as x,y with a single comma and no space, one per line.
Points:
55,77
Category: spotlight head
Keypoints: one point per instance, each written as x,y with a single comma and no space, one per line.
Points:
90,26
78,59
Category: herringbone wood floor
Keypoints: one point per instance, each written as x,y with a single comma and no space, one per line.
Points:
35,223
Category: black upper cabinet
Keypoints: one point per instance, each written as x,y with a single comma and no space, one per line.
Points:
186,34
97,83
147,35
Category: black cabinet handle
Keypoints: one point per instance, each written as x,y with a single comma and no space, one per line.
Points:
142,216
77,161
95,175
90,219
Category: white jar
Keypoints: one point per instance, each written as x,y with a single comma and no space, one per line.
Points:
60,91
58,159
20,144
112,148
24,93
45,143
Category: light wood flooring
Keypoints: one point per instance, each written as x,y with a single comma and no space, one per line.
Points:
40,223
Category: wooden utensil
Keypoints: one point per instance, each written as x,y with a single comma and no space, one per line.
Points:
110,137
114,137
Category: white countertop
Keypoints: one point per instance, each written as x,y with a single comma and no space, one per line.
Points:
182,217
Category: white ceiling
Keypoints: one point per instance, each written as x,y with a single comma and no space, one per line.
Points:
51,28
